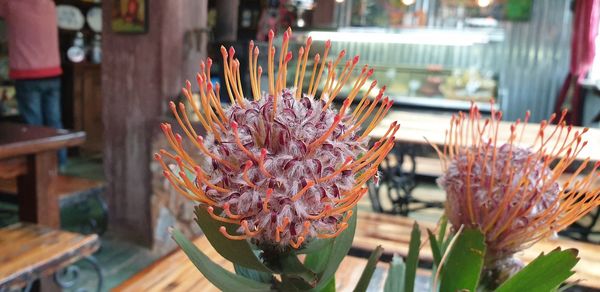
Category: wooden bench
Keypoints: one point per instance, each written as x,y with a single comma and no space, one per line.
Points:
175,272
29,252
393,233
70,191
63,186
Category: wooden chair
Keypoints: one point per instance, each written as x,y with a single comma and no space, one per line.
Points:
30,252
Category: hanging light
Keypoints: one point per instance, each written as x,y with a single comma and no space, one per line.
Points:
484,3
408,2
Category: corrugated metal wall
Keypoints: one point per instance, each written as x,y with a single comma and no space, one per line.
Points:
532,61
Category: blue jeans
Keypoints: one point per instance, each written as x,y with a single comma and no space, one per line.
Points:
39,104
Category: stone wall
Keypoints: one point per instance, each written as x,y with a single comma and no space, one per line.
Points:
169,208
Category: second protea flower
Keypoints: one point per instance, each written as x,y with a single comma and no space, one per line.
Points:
510,190
284,165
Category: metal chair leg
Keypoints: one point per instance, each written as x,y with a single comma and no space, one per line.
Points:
69,276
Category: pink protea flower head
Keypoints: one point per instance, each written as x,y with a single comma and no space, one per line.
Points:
509,190
285,166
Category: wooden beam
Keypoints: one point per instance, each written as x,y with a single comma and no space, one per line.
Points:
140,72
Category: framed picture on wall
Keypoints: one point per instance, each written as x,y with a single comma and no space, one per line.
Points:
130,16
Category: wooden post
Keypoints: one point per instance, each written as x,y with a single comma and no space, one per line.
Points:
140,72
35,190
227,20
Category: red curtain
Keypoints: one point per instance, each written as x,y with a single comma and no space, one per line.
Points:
583,48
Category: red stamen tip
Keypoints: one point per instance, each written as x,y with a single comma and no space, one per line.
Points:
251,44
156,156
271,34
172,105
231,51
234,125
355,60
300,51
328,44
208,61
248,164
286,36
223,51
370,72
209,86
188,84
256,51
373,83
309,41
288,57
263,152
317,58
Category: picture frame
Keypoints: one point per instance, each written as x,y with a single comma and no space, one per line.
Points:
130,16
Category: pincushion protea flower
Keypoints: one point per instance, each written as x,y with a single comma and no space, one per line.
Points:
284,165
511,191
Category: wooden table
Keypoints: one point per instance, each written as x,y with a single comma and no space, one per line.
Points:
31,252
29,153
416,126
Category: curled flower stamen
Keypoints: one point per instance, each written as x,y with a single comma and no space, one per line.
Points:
298,243
245,174
223,231
211,212
309,184
227,209
261,163
265,204
340,228
323,213
247,229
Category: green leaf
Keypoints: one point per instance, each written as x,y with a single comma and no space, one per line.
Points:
292,267
330,287
442,232
395,277
237,251
412,260
367,274
340,247
545,273
317,260
218,276
253,274
464,262
315,245
435,248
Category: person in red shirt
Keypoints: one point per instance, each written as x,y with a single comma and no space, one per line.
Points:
34,60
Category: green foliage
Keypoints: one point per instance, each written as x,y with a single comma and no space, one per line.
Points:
236,251
464,263
412,260
339,249
367,273
545,273
395,278
435,248
217,275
